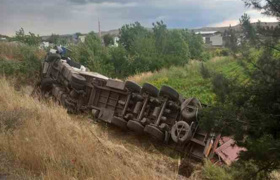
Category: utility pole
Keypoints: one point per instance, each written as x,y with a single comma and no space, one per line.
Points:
99,31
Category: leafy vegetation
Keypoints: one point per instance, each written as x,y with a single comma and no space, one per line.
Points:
108,40
211,171
139,50
20,61
190,80
250,111
29,39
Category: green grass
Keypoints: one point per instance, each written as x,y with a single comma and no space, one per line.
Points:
211,171
188,80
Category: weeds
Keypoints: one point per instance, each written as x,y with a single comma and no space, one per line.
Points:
20,61
211,171
189,80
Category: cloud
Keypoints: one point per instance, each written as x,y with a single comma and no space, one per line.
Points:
255,16
70,16
106,1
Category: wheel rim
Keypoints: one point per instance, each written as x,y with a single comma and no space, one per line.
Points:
180,132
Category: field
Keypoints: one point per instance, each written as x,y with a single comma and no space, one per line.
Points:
189,81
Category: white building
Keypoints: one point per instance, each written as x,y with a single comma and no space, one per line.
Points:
82,38
213,38
116,41
44,45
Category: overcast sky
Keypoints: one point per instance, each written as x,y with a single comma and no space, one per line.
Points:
45,17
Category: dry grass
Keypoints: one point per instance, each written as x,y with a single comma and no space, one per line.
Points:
40,140
13,51
140,77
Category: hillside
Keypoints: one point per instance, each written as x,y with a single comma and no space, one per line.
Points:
115,32
40,140
236,27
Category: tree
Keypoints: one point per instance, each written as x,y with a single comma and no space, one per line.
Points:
54,38
251,112
29,39
129,33
231,40
195,43
160,33
177,50
108,39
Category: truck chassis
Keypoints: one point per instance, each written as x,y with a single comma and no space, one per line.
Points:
163,114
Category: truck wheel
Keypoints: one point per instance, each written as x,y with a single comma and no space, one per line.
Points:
149,89
63,98
154,132
189,108
132,86
181,132
77,86
46,84
69,106
120,122
169,92
78,79
135,126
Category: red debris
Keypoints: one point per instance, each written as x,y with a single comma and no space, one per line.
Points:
228,150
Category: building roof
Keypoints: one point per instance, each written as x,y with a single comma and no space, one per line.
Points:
206,32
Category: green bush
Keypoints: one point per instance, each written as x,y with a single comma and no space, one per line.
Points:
211,171
224,52
205,56
20,61
29,39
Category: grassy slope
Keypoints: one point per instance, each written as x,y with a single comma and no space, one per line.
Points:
40,140
188,80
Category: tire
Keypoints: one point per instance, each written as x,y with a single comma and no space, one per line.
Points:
181,132
63,98
71,108
68,104
189,108
132,87
166,91
150,89
77,86
52,57
120,122
47,84
78,79
135,126
154,132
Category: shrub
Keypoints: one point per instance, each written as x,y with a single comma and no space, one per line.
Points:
211,171
205,56
20,61
224,52
204,71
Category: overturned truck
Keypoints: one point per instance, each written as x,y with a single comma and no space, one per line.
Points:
163,114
